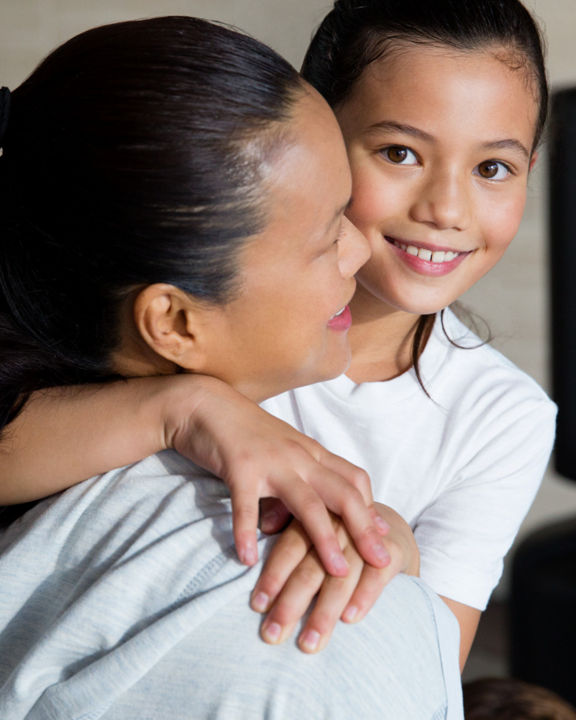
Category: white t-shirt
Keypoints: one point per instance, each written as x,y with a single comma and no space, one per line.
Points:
462,467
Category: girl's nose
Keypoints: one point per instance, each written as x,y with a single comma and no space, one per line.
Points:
353,249
443,203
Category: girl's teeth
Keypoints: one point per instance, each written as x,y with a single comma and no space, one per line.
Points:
439,256
339,312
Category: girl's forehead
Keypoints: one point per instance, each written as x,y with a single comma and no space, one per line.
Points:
404,53
439,89
412,66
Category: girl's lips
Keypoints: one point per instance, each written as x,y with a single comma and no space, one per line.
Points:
426,261
342,320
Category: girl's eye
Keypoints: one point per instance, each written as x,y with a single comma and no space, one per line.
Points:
493,170
399,155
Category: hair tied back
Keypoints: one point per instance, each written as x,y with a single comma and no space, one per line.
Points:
4,112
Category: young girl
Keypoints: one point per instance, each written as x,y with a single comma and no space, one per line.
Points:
442,106
196,223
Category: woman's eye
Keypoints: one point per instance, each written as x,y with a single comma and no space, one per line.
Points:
338,237
493,170
399,155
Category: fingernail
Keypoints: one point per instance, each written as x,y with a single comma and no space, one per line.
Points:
249,555
339,564
381,553
310,640
350,613
272,632
260,602
381,524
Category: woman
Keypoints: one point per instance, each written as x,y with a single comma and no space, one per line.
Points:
173,199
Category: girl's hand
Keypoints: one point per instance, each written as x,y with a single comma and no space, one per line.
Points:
259,456
293,576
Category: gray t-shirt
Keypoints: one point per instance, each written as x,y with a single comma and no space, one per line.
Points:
122,598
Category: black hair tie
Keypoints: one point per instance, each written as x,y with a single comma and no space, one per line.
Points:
4,111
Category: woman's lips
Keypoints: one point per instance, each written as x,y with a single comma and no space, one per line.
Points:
342,320
427,261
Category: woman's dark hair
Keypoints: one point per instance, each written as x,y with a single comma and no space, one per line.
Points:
356,33
132,155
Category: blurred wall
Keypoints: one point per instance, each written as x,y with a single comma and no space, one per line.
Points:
512,298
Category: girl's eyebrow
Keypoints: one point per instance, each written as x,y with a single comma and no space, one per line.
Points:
509,144
391,126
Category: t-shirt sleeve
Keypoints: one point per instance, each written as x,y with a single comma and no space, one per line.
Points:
504,444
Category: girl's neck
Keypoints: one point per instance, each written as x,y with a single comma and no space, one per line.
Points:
381,339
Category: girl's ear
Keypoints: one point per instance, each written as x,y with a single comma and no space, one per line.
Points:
170,323
533,159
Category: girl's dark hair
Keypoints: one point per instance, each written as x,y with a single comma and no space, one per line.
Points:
132,155
356,33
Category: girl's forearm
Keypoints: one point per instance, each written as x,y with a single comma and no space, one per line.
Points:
65,435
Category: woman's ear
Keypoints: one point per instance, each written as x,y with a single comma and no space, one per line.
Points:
170,322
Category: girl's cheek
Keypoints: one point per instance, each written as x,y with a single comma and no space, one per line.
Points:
371,202
506,222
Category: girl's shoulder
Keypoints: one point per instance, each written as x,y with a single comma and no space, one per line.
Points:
479,386
463,351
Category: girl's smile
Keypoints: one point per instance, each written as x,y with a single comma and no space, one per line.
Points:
440,143
428,259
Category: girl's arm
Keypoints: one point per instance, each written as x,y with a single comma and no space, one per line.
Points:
468,619
293,580
65,435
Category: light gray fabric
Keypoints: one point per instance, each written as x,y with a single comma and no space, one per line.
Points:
122,599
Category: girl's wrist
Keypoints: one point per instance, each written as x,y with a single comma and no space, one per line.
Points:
188,405
404,537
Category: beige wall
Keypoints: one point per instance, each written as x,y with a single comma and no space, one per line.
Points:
31,28
512,298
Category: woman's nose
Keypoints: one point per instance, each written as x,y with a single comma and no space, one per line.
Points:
353,249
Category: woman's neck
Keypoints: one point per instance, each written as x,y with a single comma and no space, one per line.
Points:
381,339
